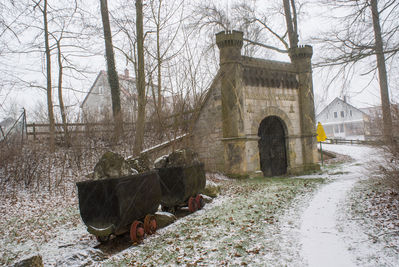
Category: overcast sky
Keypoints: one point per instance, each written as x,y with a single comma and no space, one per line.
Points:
362,93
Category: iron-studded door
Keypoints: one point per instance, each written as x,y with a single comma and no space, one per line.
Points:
272,149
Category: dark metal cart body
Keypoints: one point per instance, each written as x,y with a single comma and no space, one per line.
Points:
178,184
109,206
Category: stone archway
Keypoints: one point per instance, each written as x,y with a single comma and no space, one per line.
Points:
272,146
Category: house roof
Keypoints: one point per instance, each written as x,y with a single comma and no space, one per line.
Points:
122,79
339,100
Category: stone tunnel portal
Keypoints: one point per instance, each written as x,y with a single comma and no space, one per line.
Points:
272,146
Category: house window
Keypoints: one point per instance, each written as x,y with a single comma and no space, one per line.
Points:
335,115
350,113
342,114
100,90
341,128
336,129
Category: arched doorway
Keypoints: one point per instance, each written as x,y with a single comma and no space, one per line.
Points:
272,147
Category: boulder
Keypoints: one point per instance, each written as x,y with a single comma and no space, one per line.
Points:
178,158
182,157
33,261
111,165
140,164
164,218
211,189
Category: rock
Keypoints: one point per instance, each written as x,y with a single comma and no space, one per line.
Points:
178,158
207,199
182,157
33,261
211,189
140,164
81,257
111,165
161,162
164,218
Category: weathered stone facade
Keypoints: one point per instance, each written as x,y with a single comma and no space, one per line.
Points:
246,93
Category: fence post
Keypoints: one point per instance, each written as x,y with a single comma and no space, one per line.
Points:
23,130
2,132
34,131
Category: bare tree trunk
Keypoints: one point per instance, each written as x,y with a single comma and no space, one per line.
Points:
294,19
159,59
292,34
158,104
60,98
139,138
112,74
48,71
382,74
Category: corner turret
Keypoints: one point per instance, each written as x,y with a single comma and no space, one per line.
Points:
229,44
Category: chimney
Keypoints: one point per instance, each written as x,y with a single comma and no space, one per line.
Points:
126,73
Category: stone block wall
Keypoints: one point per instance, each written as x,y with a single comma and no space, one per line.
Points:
207,133
271,90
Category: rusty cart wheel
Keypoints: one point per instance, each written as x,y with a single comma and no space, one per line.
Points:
192,205
137,232
150,224
200,201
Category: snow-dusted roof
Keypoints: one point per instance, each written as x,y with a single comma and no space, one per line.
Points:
336,100
124,82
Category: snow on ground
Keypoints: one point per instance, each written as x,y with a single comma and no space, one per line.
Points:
297,221
329,236
245,226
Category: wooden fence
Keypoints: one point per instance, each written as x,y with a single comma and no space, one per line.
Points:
353,142
38,130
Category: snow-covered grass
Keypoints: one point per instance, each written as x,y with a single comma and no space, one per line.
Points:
256,222
363,226
30,221
371,222
243,226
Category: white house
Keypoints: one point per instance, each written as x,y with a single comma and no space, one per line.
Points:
97,103
344,121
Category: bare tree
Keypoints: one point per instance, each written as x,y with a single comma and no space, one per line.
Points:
291,21
163,15
43,9
112,74
360,39
60,47
139,138
382,72
262,28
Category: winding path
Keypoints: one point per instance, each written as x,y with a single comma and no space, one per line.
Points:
322,243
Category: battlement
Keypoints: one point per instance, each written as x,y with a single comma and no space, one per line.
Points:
301,52
229,38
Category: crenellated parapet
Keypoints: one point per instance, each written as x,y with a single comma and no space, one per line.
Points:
230,44
301,52
229,38
255,76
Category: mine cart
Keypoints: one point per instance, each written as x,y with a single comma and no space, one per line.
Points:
113,205
181,187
